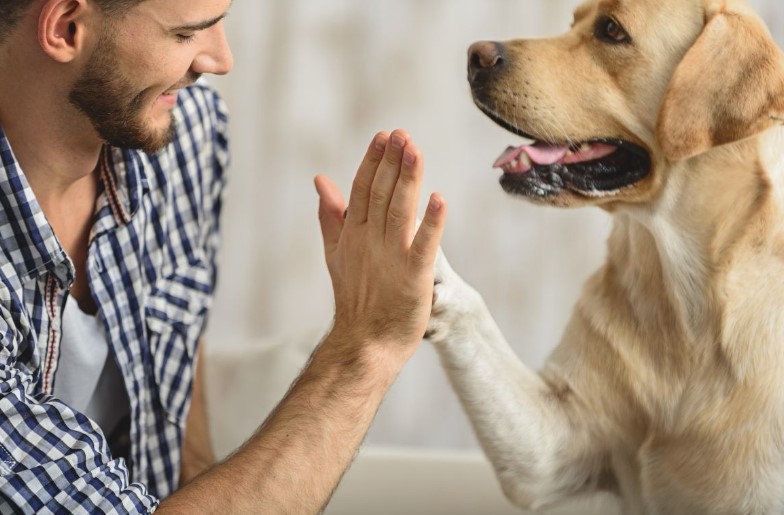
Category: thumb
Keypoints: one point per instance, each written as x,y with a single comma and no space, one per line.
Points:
331,208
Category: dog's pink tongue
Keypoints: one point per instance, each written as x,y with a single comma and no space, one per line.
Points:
545,155
539,154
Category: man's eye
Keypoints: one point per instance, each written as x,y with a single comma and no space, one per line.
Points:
185,38
610,31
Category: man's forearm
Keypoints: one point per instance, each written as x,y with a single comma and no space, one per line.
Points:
197,455
296,459
381,267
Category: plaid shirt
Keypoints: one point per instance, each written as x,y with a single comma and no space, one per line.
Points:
151,270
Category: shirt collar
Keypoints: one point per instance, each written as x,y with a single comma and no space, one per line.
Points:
26,236
123,183
27,239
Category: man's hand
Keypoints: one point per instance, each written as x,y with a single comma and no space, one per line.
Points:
382,273
381,265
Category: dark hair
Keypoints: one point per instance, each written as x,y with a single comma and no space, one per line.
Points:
11,11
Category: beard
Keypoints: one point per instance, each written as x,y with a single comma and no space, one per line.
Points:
110,102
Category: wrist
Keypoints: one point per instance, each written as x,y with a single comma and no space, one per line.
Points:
364,355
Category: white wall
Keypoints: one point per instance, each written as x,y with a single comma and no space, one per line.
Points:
314,80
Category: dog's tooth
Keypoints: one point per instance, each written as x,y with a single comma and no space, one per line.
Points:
585,147
525,160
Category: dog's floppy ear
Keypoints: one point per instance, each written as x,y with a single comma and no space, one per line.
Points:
728,87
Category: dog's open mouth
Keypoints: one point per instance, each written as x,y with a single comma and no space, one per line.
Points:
597,168
594,168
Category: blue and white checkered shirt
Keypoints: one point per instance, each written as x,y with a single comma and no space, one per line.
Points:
151,269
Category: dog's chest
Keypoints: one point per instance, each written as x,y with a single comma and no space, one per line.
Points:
721,450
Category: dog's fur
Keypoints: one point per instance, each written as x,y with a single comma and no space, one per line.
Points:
668,385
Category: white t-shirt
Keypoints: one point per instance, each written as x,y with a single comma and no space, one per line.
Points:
87,376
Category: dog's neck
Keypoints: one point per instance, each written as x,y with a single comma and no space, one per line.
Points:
727,199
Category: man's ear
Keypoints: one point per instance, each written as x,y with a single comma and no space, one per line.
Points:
728,87
60,28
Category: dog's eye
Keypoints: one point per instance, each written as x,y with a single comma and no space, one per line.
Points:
610,31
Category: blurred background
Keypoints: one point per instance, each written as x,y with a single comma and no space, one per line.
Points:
313,81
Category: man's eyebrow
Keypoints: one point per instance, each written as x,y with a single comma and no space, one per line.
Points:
195,27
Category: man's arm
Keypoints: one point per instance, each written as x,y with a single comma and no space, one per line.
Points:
382,273
197,455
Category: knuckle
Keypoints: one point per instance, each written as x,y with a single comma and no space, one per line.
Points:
393,158
397,219
408,177
377,198
418,257
430,223
360,185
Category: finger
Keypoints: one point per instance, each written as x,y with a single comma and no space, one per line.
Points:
401,217
428,237
386,178
363,182
331,208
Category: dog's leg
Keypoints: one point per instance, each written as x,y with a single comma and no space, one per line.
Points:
530,431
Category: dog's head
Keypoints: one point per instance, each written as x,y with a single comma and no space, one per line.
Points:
633,87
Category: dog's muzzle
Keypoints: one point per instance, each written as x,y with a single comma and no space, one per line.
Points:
485,58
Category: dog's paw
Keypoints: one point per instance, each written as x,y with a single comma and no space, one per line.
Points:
453,301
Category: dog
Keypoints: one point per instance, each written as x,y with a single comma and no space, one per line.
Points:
667,388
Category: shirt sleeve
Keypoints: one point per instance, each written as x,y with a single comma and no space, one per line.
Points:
52,458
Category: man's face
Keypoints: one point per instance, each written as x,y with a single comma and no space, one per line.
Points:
130,83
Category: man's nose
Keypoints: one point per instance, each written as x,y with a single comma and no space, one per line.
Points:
217,58
484,59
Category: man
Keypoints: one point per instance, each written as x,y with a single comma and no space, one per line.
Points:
111,171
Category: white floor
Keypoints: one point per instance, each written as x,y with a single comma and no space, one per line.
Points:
397,481
415,482
244,384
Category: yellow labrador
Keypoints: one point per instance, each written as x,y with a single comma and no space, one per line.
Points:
668,385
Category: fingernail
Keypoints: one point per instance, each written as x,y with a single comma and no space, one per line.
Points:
397,142
409,158
381,144
435,204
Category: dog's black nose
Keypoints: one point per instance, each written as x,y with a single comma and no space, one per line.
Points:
484,58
